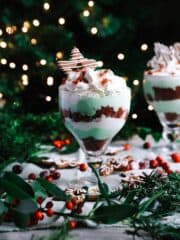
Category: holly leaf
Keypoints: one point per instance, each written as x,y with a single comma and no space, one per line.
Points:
27,206
143,132
113,213
3,208
14,188
15,179
52,189
21,220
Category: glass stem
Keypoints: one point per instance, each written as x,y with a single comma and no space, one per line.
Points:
170,136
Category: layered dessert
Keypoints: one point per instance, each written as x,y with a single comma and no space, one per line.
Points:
162,83
94,103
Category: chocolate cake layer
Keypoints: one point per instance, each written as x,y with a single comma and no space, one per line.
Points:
107,111
92,144
172,116
161,94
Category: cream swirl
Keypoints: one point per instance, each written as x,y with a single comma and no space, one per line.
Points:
166,60
82,76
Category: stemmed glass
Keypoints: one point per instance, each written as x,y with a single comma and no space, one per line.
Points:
163,93
94,119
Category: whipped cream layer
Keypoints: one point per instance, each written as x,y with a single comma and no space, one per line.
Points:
94,82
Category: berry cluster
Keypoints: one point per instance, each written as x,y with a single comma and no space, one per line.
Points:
58,143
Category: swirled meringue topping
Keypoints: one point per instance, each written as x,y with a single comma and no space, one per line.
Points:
166,60
82,76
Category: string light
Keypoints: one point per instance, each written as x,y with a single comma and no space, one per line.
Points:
86,13
59,55
94,30
25,80
48,98
11,29
134,116
61,21
121,56
46,6
36,22
12,65
100,63
150,108
3,44
1,32
1,95
26,24
144,47
91,3
33,41
50,81
43,61
3,61
136,82
25,67
24,29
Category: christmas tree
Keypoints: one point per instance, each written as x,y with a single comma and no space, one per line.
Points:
34,35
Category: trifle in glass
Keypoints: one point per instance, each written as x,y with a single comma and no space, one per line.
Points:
162,91
94,104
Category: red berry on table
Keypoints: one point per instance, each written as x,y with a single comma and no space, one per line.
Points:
126,146
142,165
146,145
44,174
72,224
40,200
56,175
17,169
168,171
153,164
39,215
49,204
49,212
83,167
176,157
160,160
67,141
165,165
49,178
57,143
70,205
32,176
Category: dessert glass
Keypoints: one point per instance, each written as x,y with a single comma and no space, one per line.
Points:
163,93
94,119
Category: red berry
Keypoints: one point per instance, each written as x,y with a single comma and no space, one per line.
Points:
70,205
15,202
39,215
44,174
153,163
67,141
160,160
168,170
49,204
49,178
142,165
32,176
57,143
126,146
176,157
56,175
17,169
165,165
40,200
49,212
83,167
72,224
146,145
